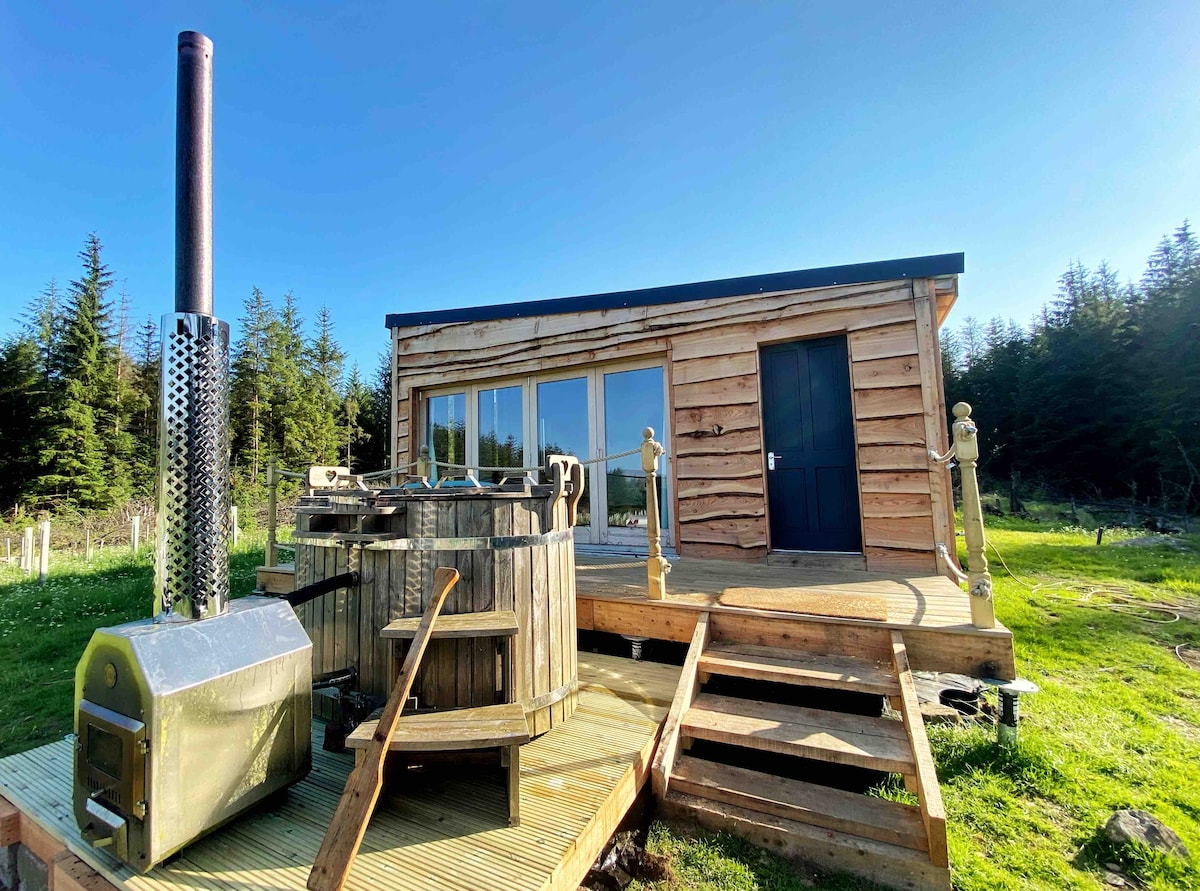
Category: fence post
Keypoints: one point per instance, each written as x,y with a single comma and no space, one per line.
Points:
425,468
272,486
43,550
87,545
8,550
27,550
979,580
233,524
135,533
656,586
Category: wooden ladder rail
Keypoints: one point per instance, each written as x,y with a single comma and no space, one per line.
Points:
349,824
685,694
929,794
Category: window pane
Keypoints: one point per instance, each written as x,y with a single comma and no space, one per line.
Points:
446,428
562,425
501,442
632,400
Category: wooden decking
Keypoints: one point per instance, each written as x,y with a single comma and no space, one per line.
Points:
933,612
435,832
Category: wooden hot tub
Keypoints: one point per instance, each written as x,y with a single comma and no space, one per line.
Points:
513,547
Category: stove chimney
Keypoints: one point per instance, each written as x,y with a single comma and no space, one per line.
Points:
191,578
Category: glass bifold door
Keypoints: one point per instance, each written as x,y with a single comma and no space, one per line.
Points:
588,413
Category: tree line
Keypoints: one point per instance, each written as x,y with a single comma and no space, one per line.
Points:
1099,397
79,397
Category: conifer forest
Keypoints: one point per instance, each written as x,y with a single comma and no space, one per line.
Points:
1097,398
79,397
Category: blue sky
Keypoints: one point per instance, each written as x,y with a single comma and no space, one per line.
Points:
387,158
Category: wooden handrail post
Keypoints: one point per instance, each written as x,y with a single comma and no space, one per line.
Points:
979,580
272,495
425,469
656,583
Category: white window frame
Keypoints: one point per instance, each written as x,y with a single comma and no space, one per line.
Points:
595,533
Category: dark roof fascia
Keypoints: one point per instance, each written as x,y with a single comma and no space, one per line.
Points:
855,273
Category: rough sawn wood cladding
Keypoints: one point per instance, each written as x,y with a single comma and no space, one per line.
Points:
710,353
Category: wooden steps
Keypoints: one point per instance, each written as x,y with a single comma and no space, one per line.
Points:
483,727
902,845
872,743
846,812
791,667
890,865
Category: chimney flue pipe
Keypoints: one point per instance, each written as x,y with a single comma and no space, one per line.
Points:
193,175
191,578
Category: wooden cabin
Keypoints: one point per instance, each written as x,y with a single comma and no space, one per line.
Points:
797,408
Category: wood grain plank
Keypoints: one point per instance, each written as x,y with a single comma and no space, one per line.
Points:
886,403
884,342
874,374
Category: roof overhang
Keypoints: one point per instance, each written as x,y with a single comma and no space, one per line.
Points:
933,266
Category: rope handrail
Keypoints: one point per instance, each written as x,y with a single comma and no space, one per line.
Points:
376,474
487,469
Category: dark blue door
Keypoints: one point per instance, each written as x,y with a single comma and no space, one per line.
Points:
808,427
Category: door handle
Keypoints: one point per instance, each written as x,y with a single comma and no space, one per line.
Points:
771,460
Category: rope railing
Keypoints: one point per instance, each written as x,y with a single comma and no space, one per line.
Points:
428,468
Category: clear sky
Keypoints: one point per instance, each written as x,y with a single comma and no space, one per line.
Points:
392,157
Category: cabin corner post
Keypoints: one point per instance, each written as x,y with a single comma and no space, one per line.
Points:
979,580
656,565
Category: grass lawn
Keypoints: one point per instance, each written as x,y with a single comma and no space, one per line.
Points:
1117,723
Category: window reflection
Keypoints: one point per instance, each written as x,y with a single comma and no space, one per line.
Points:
501,440
446,428
632,400
562,427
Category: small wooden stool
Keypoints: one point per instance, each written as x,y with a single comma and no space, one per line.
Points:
501,726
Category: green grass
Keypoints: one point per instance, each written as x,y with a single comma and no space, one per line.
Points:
1116,724
45,626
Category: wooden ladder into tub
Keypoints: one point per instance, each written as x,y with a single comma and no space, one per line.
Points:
897,844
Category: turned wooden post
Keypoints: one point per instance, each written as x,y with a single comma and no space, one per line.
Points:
979,580
656,584
272,494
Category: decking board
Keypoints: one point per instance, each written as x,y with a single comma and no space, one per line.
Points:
577,782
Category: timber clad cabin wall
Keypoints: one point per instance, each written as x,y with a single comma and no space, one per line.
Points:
710,356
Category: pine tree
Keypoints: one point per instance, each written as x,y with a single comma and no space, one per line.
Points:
322,383
249,388
284,357
21,385
74,454
143,407
374,452
354,401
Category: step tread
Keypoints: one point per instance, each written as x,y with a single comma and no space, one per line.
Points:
463,728
816,805
799,667
887,864
494,623
874,743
